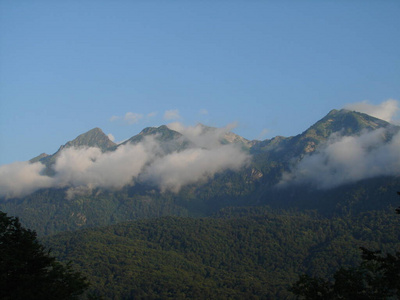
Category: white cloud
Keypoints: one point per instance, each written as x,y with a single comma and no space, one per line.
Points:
264,133
22,178
202,136
129,117
90,167
172,114
348,159
177,169
83,169
111,137
385,111
203,112
132,118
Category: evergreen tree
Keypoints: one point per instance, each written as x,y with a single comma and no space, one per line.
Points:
27,271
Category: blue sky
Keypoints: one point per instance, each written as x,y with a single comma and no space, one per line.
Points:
273,68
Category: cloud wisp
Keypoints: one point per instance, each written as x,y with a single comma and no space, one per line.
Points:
80,170
22,178
202,136
347,159
129,118
177,169
172,114
384,111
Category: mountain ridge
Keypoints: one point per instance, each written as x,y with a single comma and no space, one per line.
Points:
345,121
79,199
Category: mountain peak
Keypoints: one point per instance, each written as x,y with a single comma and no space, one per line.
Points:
171,140
346,121
38,158
343,121
93,138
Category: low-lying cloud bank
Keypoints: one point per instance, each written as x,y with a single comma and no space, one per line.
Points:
347,159
22,178
82,169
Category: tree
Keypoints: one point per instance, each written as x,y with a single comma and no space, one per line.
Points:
27,271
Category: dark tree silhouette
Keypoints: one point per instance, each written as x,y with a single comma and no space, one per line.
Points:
27,271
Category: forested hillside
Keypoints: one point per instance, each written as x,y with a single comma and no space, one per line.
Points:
242,253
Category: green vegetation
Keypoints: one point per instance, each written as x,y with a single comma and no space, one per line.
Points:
27,271
242,253
49,212
377,277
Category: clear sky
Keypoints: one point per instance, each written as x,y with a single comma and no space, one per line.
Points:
273,67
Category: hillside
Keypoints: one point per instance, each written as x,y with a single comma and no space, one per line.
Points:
243,253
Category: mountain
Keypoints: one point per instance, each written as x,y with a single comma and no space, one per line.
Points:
207,185
93,138
348,122
172,140
40,157
169,139
162,133
342,121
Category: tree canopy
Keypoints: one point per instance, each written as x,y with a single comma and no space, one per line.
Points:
377,277
28,271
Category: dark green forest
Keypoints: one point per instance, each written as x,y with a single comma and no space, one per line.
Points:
242,253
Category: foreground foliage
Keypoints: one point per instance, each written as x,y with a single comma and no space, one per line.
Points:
27,271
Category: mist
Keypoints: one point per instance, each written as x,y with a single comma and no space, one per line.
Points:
173,171
22,178
81,170
347,159
202,136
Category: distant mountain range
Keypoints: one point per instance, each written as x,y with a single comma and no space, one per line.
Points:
196,171
347,123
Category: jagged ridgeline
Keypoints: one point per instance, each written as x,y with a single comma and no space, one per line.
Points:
302,172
